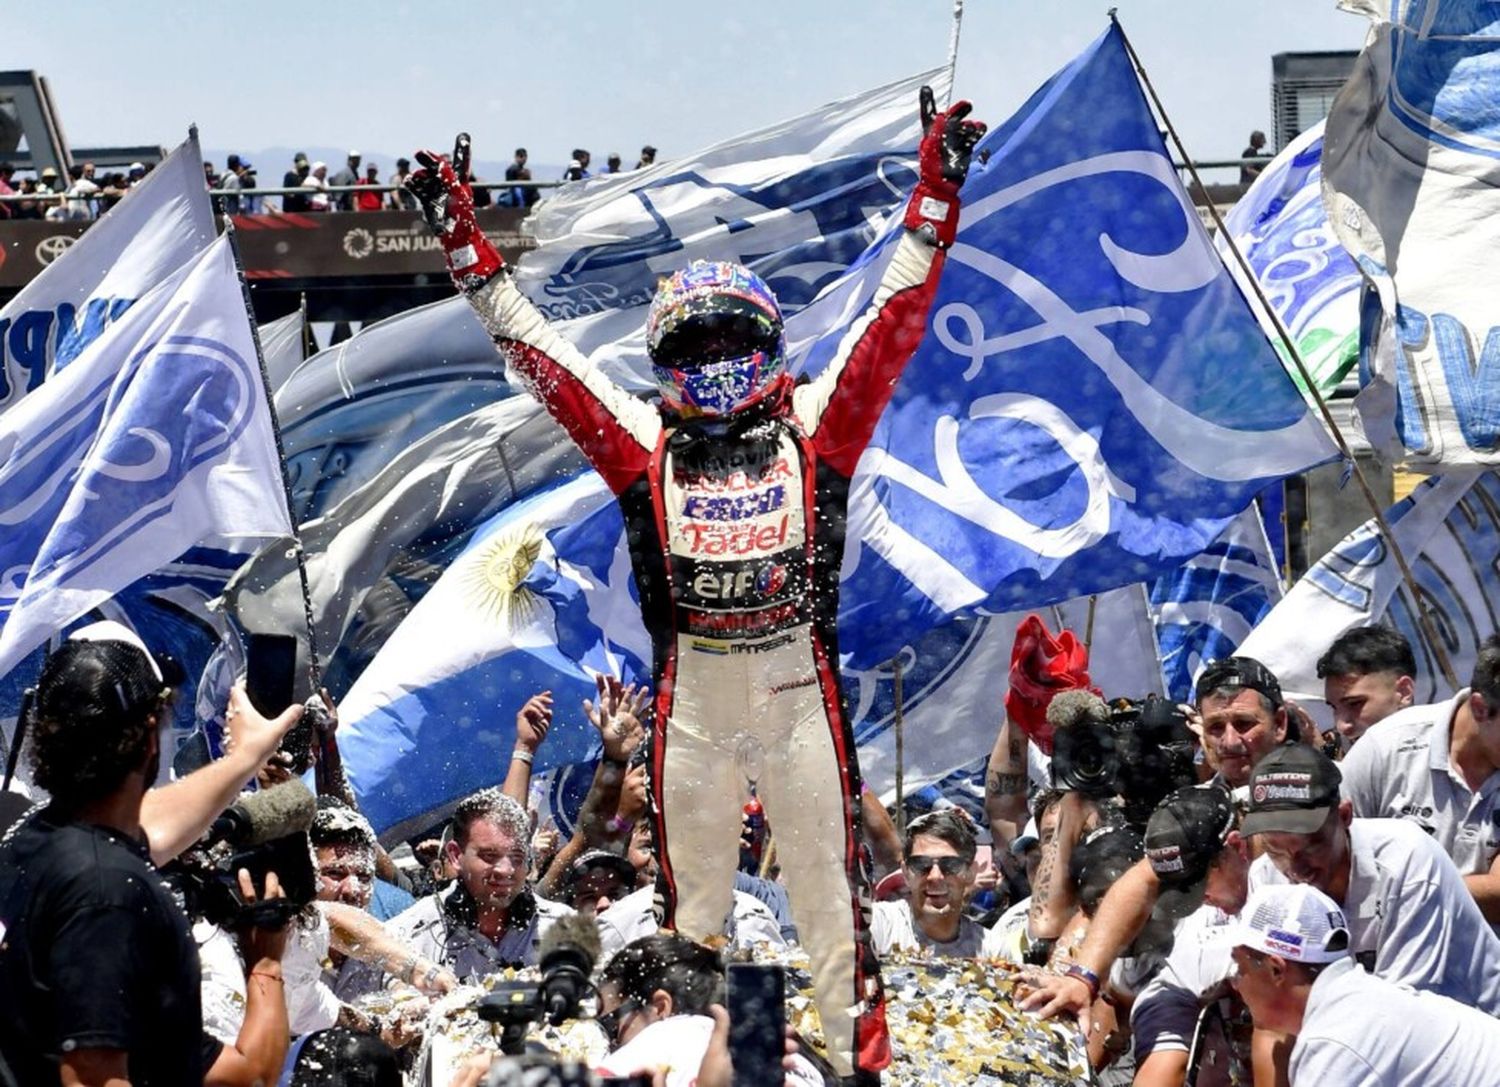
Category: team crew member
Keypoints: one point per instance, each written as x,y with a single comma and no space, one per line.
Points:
1438,766
1411,918
1368,674
1294,972
734,495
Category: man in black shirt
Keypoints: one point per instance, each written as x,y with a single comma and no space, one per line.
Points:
99,977
293,202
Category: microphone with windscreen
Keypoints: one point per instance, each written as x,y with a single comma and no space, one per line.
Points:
567,955
265,816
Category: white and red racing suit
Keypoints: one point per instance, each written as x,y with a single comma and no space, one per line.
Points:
736,532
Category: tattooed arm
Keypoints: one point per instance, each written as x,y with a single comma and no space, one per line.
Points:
1005,786
1053,900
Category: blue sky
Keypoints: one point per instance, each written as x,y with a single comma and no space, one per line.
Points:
387,77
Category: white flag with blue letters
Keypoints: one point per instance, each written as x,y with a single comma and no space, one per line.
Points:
157,437
1411,177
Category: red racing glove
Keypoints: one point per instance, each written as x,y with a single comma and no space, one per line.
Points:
943,160
442,188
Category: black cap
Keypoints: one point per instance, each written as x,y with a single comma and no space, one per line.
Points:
1238,672
1292,790
598,858
1100,858
1185,835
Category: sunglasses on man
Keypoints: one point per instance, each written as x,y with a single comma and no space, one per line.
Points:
920,865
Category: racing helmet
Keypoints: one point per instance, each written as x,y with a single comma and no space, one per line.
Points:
714,334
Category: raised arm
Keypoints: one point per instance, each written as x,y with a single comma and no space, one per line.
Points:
616,431
840,406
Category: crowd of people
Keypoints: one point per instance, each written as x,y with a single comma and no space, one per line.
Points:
1320,906
86,193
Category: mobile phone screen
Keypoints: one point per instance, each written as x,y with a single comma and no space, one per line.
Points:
271,662
757,1023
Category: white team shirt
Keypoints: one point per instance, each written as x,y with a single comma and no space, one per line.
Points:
1400,769
893,928
751,922
1363,1031
676,1045
1411,919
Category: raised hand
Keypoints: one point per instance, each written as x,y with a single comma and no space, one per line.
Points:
441,187
617,716
948,141
943,157
534,721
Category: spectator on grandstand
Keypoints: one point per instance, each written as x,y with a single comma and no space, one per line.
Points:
369,200
1295,972
348,176
578,167
400,199
7,208
491,916
30,208
316,182
135,174
292,179
1368,673
648,157
938,854
250,203
518,196
230,183
1249,171
612,164
1438,766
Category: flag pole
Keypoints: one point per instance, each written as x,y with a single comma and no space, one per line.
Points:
900,751
958,22
1429,629
314,670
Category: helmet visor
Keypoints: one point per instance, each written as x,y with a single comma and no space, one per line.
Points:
732,329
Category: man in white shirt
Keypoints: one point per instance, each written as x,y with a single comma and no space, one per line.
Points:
1411,919
938,855
1295,973
1438,766
1368,673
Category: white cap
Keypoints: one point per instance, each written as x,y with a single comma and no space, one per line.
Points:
111,631
1294,921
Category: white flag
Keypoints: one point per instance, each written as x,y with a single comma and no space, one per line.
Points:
1449,531
154,230
796,201
1411,176
155,438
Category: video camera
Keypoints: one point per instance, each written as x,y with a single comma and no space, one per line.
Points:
566,958
263,832
1138,751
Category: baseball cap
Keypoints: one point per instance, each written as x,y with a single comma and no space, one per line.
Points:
1238,672
1184,836
1100,859
1292,790
599,858
1294,921
111,631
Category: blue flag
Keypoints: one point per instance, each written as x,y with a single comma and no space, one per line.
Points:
1093,399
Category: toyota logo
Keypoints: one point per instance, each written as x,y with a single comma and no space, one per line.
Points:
50,248
359,243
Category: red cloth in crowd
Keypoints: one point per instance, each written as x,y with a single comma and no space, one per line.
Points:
1040,667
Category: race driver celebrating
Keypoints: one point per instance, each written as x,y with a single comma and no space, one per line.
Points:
734,491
